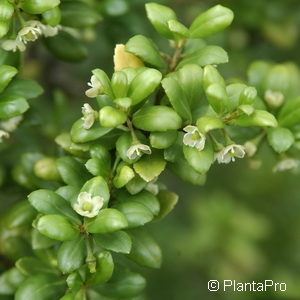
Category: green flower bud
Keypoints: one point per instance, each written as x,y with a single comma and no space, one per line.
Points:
56,227
157,118
4,27
111,117
45,168
38,6
123,103
124,175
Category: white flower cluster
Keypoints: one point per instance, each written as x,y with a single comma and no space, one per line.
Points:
9,125
137,150
95,87
194,138
29,33
89,116
229,153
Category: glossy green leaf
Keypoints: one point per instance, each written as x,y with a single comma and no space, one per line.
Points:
144,85
167,201
178,99
30,266
48,202
145,251
104,268
289,115
46,287
118,241
280,139
178,29
163,140
10,281
81,135
71,255
201,161
217,97
157,118
258,118
7,73
136,213
211,75
104,81
150,166
40,241
119,84
12,106
159,15
56,227
145,49
108,220
78,14
135,185
124,175
52,16
111,117
211,21
208,55
208,123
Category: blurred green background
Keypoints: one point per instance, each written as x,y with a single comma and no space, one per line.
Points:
243,224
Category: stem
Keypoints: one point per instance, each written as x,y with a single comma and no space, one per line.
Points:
90,259
19,15
176,56
231,116
133,135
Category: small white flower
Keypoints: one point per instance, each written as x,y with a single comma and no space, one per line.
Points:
137,150
274,98
96,87
229,153
49,31
89,116
87,205
13,45
3,135
286,164
193,137
11,124
30,32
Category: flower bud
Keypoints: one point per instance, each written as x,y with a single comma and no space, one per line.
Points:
45,168
52,16
274,99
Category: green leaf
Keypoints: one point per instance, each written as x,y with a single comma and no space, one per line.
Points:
108,220
211,75
136,213
143,85
68,192
46,287
258,118
208,123
150,166
78,14
71,255
97,186
12,106
211,21
21,214
289,115
135,185
145,251
7,73
39,241
256,73
111,117
159,15
124,175
105,268
118,241
144,197
218,99
10,281
178,29
72,171
48,202
190,78
208,55
81,135
145,49
30,266
105,82
157,118
56,227
167,201
119,84
178,99
52,16
26,88
201,161
163,140
123,285
280,139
